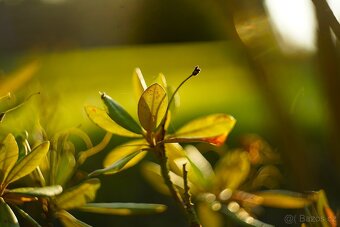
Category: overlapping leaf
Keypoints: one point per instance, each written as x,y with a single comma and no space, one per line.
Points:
123,208
7,217
152,106
28,163
119,115
212,129
123,152
39,191
138,82
9,152
79,195
69,221
102,119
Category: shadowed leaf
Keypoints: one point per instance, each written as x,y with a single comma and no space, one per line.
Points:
284,199
9,153
41,191
129,154
138,82
212,129
119,115
123,208
102,119
7,217
152,107
78,195
69,221
27,164
27,217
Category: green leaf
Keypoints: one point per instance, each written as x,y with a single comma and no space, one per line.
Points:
200,171
39,191
69,221
7,217
28,163
232,170
212,129
9,153
27,217
116,166
102,119
138,82
125,156
65,168
152,106
119,115
284,199
78,195
123,208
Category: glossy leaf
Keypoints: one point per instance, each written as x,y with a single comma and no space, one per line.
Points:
138,82
116,166
69,221
28,163
119,115
232,170
284,199
152,107
128,153
39,191
102,119
9,153
27,217
123,208
78,195
176,157
7,217
212,129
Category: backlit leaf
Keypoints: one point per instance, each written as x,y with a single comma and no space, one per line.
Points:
123,151
69,221
65,169
152,107
119,115
28,163
284,199
232,170
212,129
9,153
208,217
102,119
116,166
7,217
161,80
39,191
78,195
138,82
123,208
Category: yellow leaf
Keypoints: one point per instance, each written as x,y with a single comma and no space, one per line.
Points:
79,195
102,119
232,170
212,129
125,150
138,82
27,164
283,199
8,156
152,107
68,220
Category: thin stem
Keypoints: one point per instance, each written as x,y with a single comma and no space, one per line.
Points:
193,219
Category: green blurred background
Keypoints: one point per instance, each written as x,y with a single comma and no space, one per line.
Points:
275,88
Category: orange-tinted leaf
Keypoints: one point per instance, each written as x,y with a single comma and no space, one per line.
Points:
123,151
152,107
212,129
284,199
102,119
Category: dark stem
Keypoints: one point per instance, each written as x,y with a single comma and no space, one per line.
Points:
193,219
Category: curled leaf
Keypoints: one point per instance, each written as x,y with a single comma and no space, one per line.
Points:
152,106
119,115
212,129
102,119
125,156
78,195
123,208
